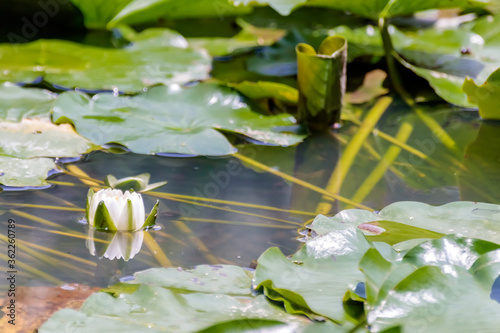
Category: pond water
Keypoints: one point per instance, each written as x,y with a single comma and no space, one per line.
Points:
231,209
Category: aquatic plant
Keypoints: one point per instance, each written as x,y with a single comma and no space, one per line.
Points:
114,210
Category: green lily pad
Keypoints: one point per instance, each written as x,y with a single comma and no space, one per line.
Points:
263,90
140,11
485,96
157,309
34,138
129,69
370,89
316,277
248,38
468,51
27,136
226,279
178,120
443,251
17,103
175,300
370,9
469,219
24,172
444,298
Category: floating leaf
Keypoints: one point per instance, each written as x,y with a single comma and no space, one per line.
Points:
227,279
248,38
371,88
174,300
470,219
35,138
264,89
442,299
25,172
371,9
316,277
178,120
140,11
17,103
485,96
129,69
393,232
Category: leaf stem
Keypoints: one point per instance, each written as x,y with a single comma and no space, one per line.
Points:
391,63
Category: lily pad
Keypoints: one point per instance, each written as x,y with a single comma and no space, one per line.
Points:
470,219
25,172
140,11
485,96
227,279
248,38
17,103
34,138
158,309
178,120
315,279
264,89
175,300
454,300
370,9
129,69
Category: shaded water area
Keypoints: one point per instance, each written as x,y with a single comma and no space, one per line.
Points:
230,209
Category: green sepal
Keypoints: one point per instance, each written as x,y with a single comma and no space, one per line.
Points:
90,194
130,214
150,220
102,219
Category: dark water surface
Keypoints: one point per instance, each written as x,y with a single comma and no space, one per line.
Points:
461,163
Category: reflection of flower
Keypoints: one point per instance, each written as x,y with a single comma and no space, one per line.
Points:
114,210
116,245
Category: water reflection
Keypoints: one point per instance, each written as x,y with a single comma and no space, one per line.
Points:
480,179
229,210
114,245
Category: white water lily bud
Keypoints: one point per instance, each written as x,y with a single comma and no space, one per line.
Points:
114,210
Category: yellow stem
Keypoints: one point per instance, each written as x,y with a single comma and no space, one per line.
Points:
233,203
75,171
56,232
156,250
298,181
391,154
340,172
197,242
34,271
192,219
168,197
54,198
71,209
62,254
438,131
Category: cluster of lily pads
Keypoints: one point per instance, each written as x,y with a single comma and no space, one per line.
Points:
408,268
144,77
